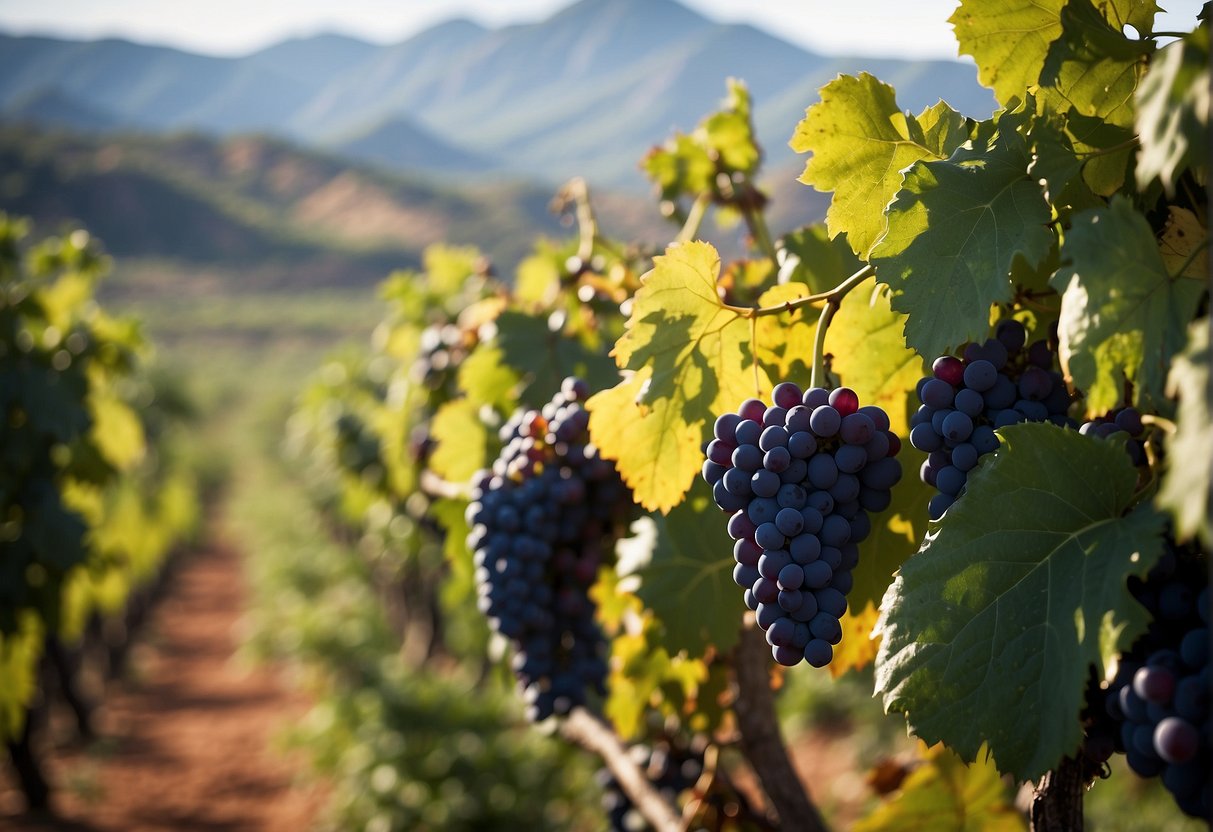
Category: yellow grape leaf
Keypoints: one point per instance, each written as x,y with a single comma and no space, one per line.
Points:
870,353
117,431
461,441
857,649
1180,238
784,343
945,795
690,361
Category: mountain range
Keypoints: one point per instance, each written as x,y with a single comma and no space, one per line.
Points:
584,92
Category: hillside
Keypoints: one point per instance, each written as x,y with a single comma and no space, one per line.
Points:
267,213
584,92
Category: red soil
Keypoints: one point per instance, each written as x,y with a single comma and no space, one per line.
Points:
191,740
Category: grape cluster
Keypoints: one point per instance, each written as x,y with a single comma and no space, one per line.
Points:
1157,708
799,478
1127,420
443,348
671,766
997,383
542,520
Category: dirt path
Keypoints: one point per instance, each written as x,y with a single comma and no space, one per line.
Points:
189,743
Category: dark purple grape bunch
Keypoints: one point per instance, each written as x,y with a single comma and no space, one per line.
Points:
1125,420
670,765
799,478
1157,707
542,521
998,383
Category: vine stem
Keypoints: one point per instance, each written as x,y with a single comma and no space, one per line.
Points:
1159,421
1057,801
594,735
834,295
761,740
436,486
694,218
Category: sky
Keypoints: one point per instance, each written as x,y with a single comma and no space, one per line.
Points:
889,28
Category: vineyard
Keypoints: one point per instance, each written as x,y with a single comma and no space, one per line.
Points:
588,545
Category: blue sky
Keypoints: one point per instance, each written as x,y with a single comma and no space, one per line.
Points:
894,28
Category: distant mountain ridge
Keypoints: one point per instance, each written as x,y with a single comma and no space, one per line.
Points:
583,92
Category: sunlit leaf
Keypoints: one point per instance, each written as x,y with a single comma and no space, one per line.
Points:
990,631
861,142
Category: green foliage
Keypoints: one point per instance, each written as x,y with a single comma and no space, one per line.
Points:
1123,314
1173,113
1187,486
945,795
990,630
860,143
955,230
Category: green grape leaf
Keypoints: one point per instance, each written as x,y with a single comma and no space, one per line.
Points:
680,166
955,229
858,648
989,632
485,378
1009,41
116,432
729,133
784,343
543,357
1187,484
1055,164
1122,314
809,256
686,577
447,268
1107,149
1173,112
861,142
461,441
869,354
1136,13
1093,68
19,654
688,355
945,795
537,278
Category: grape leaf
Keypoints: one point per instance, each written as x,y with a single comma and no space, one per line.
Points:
857,649
955,228
688,355
1173,111
461,441
990,630
544,357
809,256
861,142
1122,314
1009,41
680,166
945,795
1093,67
1187,485
485,378
686,578
729,134
870,354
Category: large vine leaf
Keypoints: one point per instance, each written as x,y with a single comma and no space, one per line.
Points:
861,142
991,629
1187,486
462,441
1009,41
945,795
1173,111
870,355
543,356
689,358
686,577
954,231
1093,67
1123,315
